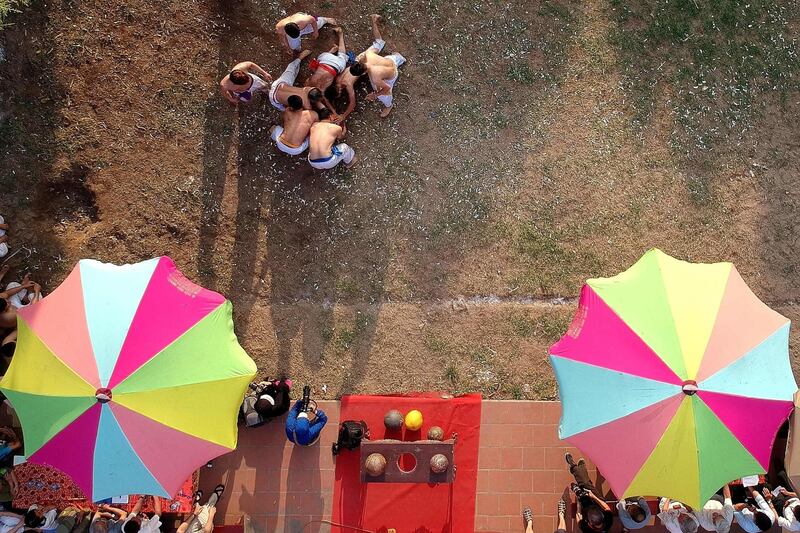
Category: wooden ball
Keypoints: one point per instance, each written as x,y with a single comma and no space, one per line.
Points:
375,465
393,420
435,433
439,464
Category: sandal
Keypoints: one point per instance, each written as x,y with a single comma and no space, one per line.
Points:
198,495
527,515
562,507
219,490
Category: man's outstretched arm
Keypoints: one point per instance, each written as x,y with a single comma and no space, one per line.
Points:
351,102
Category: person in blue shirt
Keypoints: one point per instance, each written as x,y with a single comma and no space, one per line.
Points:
303,428
634,513
756,518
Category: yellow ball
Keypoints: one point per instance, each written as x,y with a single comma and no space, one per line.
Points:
414,420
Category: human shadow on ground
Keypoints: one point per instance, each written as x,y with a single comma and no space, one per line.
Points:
304,502
30,116
235,34
314,262
320,250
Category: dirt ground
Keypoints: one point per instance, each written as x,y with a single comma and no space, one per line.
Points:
534,145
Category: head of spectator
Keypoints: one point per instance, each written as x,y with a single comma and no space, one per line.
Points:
595,517
762,520
688,523
132,525
636,512
34,518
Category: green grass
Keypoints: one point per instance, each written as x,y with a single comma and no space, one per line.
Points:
522,325
521,73
551,257
468,193
452,377
436,344
548,327
343,338
722,59
7,7
392,11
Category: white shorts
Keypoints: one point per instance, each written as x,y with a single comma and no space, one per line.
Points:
294,42
272,90
17,300
198,524
287,78
340,152
398,59
286,149
337,61
377,45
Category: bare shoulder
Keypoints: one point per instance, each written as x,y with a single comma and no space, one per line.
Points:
298,17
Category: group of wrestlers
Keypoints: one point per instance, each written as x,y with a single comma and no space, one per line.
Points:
313,116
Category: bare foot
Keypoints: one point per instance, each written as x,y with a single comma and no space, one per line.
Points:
304,54
375,17
331,22
386,111
352,162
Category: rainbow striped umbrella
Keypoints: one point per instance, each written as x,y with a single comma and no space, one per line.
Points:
127,378
674,378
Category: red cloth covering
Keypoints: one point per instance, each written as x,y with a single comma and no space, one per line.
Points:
411,507
43,485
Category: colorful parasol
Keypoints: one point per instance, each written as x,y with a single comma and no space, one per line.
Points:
674,378
127,378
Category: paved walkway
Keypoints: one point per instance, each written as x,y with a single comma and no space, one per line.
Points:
282,489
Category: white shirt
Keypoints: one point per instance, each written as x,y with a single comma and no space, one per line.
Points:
50,519
745,517
705,516
7,523
788,520
670,517
114,526
148,525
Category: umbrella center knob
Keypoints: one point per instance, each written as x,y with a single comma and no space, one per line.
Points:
103,395
689,387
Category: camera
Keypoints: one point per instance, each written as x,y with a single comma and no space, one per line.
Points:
304,406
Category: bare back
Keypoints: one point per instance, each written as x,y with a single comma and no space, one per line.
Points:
321,79
323,136
345,79
379,68
301,19
8,318
283,93
297,125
